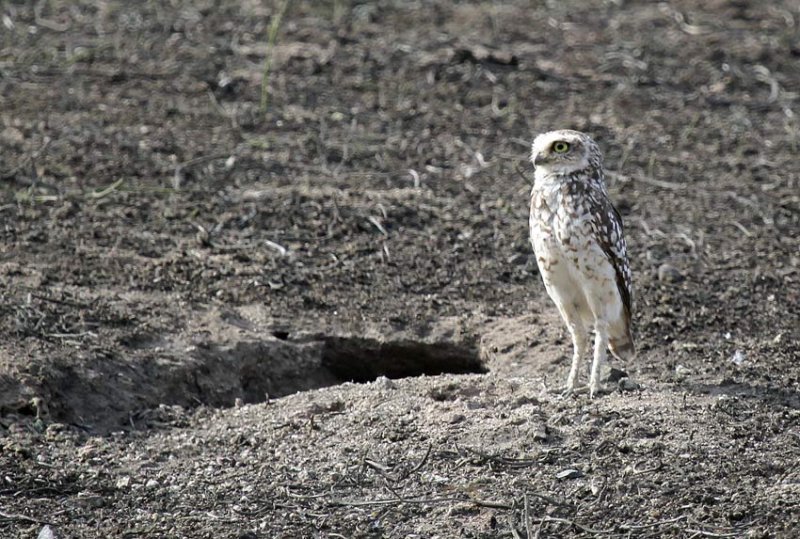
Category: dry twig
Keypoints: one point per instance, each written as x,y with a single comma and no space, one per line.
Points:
652,524
706,533
360,503
422,462
510,462
25,518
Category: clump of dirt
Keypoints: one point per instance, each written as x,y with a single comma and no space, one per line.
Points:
177,262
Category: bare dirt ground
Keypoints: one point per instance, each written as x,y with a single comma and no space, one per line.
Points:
189,283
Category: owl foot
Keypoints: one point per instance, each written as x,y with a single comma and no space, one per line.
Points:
598,391
569,391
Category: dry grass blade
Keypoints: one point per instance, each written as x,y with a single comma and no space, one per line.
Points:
377,224
393,501
179,168
521,173
527,516
647,179
100,193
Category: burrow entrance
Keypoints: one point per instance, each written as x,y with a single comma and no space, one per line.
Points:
255,370
110,392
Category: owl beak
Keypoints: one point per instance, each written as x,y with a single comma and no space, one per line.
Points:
538,160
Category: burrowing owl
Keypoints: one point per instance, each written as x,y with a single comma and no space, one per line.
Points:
577,236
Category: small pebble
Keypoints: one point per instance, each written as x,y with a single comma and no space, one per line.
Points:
680,370
626,384
615,375
738,357
669,274
12,136
569,473
384,383
457,418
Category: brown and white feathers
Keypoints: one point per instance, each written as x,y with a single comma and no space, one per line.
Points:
577,236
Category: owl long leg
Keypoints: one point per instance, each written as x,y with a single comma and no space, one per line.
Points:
579,335
579,341
600,346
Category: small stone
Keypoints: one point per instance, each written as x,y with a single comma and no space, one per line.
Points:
457,418
615,375
238,402
123,482
12,136
682,371
46,533
596,489
151,483
569,473
55,428
738,358
669,274
40,406
89,499
382,382
626,384
540,434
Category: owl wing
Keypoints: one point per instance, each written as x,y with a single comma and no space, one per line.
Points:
610,238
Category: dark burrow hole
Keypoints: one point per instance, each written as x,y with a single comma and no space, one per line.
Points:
364,360
256,370
251,371
281,334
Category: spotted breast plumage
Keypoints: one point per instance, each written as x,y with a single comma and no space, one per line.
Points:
580,249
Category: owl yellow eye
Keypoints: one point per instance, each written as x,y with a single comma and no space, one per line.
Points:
560,147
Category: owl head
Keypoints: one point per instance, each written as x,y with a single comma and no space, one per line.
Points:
564,152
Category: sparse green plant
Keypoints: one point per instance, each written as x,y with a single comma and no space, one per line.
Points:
272,37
